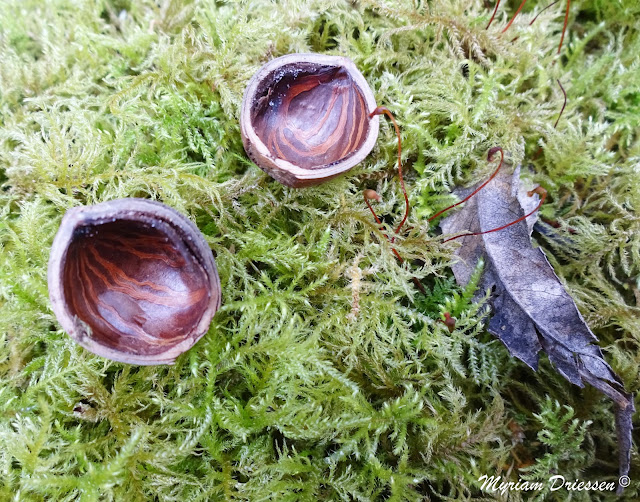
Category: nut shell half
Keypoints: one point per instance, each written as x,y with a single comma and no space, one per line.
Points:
305,118
132,280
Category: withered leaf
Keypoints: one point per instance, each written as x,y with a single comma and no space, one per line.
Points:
531,309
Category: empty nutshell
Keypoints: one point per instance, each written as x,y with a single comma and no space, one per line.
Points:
132,280
305,118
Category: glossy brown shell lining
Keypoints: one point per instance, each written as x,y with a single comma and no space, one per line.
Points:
312,115
305,118
132,280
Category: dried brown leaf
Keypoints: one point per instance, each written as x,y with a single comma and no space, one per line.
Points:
532,311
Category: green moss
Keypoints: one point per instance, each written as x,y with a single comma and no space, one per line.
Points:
325,375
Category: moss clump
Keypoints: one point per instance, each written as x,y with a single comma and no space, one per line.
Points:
325,375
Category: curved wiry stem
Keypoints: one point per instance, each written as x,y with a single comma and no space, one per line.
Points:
548,6
384,110
515,15
539,151
494,14
564,27
492,152
539,190
563,105
371,194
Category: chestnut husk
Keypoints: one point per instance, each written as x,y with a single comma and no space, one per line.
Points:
132,280
305,118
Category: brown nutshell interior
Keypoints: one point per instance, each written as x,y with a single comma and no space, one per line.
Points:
137,285
310,115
